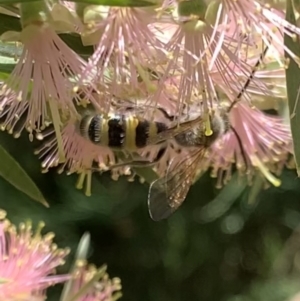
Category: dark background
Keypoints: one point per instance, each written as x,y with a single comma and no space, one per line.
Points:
247,252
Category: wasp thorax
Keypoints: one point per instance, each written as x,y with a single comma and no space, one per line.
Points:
197,135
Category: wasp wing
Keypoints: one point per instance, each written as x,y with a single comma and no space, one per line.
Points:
166,194
175,130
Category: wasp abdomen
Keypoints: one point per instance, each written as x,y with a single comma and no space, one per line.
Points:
142,133
145,130
126,132
116,132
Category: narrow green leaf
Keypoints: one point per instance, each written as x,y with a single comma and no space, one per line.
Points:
3,76
293,84
145,172
296,4
9,51
81,254
74,42
6,68
10,8
255,190
9,23
13,173
224,200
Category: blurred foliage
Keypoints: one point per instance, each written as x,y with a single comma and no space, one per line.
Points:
126,3
293,83
246,254
129,3
13,173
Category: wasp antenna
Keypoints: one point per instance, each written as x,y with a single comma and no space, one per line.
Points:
248,81
240,145
166,114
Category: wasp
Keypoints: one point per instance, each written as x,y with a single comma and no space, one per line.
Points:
125,131
166,194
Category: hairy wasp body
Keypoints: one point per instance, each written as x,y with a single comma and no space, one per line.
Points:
120,131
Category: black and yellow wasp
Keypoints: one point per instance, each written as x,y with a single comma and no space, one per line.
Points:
129,132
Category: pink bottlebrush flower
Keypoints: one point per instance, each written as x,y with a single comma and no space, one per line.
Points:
80,155
198,49
43,82
266,143
212,44
27,262
99,287
69,5
265,86
267,91
252,18
125,49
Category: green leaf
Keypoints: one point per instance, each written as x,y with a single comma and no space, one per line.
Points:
296,4
74,42
293,84
254,191
13,173
145,172
3,76
9,23
9,51
223,201
123,3
81,254
6,69
10,8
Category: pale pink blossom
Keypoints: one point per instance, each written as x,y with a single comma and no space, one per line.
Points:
252,18
44,78
80,154
27,262
248,22
211,47
268,83
266,144
126,47
198,49
99,286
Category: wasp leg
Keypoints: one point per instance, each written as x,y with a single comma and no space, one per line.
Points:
250,78
135,163
238,138
142,163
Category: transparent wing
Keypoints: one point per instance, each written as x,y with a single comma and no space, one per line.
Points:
175,130
168,193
